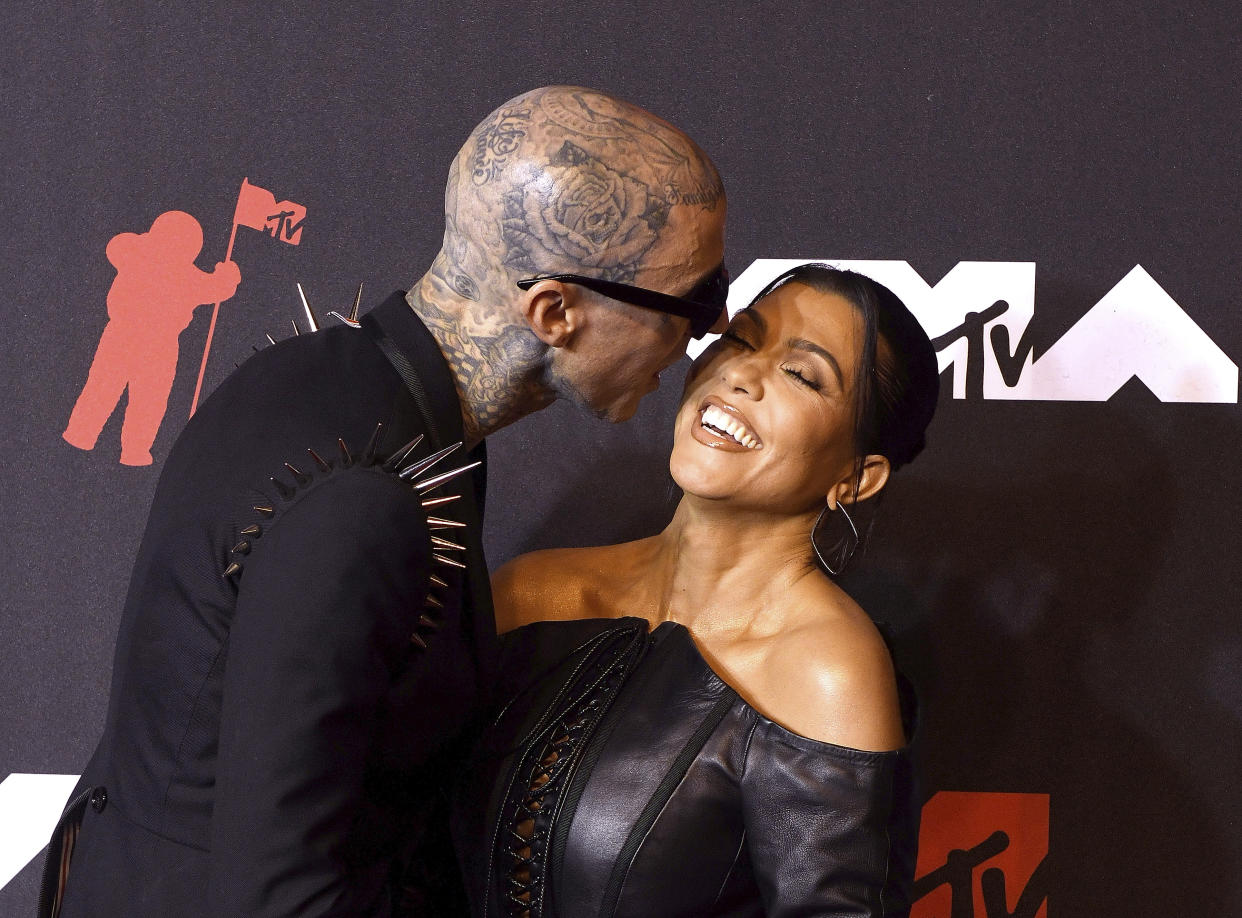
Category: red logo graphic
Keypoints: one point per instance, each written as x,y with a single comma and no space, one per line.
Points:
151,301
259,209
983,856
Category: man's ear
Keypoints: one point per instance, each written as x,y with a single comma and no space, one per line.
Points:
875,472
553,312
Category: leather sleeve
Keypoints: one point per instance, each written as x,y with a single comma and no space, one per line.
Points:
323,620
831,831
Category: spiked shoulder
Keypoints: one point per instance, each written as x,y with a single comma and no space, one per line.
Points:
403,493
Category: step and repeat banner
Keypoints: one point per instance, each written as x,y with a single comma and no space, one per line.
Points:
1055,194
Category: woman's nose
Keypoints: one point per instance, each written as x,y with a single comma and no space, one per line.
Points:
742,373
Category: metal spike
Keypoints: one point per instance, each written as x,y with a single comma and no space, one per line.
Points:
294,323
346,459
444,477
241,548
270,339
437,542
283,489
418,640
353,310
254,529
436,581
266,511
425,621
351,319
319,460
298,475
435,522
368,454
432,502
395,460
423,465
232,569
310,315
448,561
433,602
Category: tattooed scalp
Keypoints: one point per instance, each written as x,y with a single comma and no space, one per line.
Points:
559,179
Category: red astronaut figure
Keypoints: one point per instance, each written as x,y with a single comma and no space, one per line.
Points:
151,301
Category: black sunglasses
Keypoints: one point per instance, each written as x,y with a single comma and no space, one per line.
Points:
702,305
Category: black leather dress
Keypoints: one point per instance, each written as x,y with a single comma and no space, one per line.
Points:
623,777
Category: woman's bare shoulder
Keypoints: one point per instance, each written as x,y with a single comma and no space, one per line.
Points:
829,676
556,583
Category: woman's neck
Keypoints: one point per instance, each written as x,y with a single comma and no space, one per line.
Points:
725,573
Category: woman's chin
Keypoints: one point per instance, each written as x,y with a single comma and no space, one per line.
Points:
699,479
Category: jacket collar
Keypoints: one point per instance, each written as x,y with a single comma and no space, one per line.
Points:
408,344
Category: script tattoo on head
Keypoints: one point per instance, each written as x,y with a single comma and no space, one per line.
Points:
496,141
561,179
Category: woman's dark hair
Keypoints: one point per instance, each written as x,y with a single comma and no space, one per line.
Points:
898,381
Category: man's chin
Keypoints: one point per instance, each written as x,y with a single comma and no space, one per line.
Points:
616,411
617,414
627,408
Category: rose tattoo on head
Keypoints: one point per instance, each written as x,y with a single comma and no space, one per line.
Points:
588,215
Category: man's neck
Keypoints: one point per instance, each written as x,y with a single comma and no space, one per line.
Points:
497,367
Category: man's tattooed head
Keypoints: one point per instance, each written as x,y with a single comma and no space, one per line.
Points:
566,179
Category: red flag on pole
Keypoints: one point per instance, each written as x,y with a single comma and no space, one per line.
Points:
258,209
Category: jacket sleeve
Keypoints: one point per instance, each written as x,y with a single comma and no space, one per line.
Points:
831,831
325,608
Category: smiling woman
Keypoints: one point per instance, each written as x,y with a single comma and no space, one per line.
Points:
701,723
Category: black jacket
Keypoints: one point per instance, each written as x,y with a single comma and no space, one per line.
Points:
622,777
284,695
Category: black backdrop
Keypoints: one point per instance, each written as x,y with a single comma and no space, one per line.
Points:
1060,575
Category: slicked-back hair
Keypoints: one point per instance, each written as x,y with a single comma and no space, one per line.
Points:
897,381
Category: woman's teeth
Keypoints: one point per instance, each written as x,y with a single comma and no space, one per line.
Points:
722,423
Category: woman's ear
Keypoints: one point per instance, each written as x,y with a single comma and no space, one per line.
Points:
874,476
552,311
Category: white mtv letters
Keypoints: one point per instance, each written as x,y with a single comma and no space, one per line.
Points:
978,314
1135,330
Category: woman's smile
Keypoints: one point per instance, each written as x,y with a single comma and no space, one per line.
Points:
724,426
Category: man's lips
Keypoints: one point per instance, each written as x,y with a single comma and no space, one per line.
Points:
723,426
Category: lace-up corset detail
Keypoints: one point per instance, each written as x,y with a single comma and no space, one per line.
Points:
548,760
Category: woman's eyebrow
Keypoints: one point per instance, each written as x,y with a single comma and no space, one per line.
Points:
754,316
802,344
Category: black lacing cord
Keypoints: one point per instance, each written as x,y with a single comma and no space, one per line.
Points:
525,878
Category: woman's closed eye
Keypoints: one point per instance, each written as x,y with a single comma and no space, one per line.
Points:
802,375
805,377
735,338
